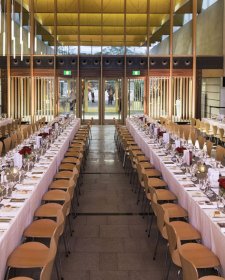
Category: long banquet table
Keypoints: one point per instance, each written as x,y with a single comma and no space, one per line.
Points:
214,122
200,215
21,214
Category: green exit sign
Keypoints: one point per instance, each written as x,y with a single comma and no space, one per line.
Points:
136,73
67,72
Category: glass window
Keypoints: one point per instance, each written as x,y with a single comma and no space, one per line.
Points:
67,50
90,50
112,50
207,3
136,50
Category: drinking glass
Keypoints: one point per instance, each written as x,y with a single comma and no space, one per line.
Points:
220,203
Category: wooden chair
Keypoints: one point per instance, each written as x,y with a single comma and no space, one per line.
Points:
173,210
198,124
193,122
190,263
220,135
29,127
220,153
209,146
186,133
1,148
33,127
178,231
14,140
19,137
193,137
35,254
201,141
7,144
3,131
50,210
24,133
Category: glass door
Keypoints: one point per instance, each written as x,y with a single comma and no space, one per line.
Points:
90,98
136,96
67,95
112,99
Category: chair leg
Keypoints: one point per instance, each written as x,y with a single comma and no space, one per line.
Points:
150,225
156,245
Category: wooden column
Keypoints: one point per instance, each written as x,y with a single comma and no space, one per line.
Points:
101,92
8,53
170,104
56,93
125,93
79,97
194,24
147,99
31,5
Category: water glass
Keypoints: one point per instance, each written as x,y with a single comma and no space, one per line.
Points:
220,203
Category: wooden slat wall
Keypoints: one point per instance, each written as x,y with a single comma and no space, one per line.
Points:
20,96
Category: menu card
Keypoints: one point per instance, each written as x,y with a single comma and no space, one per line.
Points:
18,160
38,141
177,143
214,177
166,137
187,157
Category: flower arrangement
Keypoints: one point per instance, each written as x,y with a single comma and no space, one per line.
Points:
222,185
25,151
141,118
180,150
43,134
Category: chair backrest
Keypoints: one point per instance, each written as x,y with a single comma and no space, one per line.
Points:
33,127
220,153
47,269
186,133
66,204
201,141
193,137
189,271
140,172
7,144
193,121
3,130
29,130
24,133
1,147
174,242
209,146
221,133
181,131
207,127
214,128
19,137
198,123
14,140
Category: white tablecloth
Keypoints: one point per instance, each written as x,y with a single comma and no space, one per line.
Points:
212,235
5,122
12,237
214,122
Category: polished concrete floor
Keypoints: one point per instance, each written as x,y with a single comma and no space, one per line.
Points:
110,241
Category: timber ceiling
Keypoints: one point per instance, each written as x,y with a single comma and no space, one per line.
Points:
105,22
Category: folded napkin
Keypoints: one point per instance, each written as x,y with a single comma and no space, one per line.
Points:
169,164
187,182
21,187
177,172
190,188
208,206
